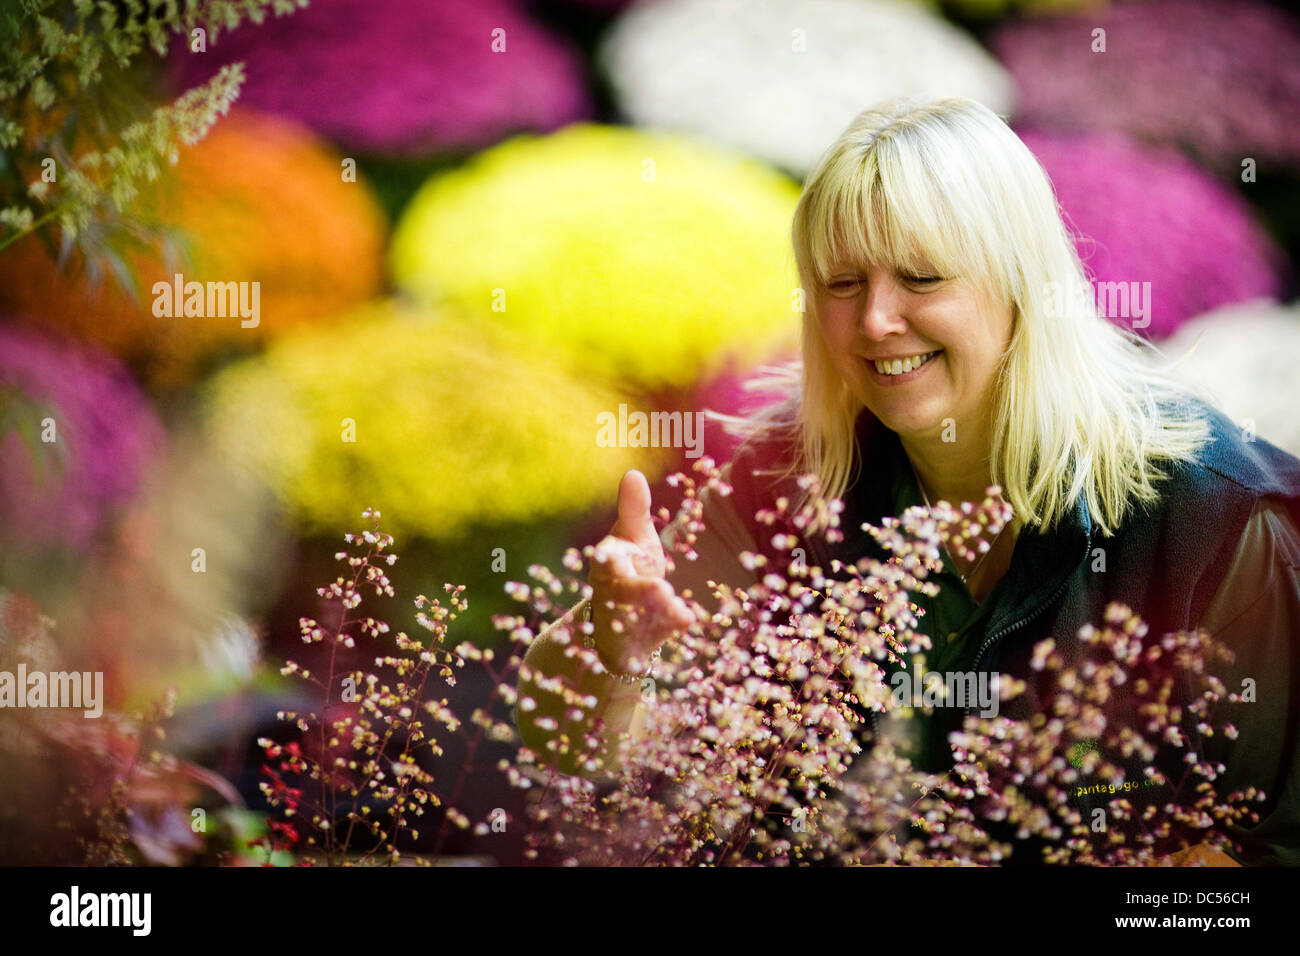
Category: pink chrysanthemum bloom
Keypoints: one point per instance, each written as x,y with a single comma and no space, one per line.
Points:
1152,218
1218,77
736,391
92,429
403,76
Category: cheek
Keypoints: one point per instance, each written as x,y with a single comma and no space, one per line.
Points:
829,315
836,326
999,340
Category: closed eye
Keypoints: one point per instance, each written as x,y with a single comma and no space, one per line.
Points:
844,287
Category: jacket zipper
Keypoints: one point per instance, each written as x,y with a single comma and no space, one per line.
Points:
1010,629
1025,621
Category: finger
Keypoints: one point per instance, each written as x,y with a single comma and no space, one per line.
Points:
659,610
634,522
613,558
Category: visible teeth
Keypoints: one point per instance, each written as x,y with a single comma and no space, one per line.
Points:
899,366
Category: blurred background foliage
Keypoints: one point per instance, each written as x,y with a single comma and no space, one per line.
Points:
475,226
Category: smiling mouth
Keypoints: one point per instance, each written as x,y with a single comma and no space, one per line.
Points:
905,365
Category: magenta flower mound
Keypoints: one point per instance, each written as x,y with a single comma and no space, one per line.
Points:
736,391
412,77
1218,77
1181,242
105,434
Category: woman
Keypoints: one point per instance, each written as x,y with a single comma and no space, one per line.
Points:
947,347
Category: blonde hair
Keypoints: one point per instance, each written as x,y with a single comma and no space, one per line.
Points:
945,187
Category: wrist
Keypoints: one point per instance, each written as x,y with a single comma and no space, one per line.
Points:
589,641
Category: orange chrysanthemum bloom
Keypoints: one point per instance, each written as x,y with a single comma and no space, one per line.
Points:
259,200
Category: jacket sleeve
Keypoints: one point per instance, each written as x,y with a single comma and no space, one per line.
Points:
719,547
1256,614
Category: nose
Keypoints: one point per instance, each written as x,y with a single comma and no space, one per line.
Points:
880,308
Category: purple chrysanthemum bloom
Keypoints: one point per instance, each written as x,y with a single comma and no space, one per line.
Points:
412,77
105,433
1180,241
1220,78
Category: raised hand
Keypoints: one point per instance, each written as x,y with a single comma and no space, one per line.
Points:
629,568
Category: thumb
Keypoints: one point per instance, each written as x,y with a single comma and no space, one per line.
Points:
634,522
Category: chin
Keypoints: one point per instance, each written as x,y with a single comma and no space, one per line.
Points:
916,419
908,427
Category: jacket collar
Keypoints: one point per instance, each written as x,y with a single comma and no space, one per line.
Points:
1043,560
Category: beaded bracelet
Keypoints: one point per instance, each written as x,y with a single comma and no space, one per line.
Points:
589,642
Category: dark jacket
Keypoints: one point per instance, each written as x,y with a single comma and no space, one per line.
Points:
1220,550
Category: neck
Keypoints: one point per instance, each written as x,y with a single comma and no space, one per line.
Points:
953,471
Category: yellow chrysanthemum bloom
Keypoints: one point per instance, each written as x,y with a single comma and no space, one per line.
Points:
438,421
647,258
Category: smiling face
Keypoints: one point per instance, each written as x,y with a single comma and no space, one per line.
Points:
949,332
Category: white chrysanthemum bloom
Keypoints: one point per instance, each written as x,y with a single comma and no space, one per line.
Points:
782,78
1243,357
231,648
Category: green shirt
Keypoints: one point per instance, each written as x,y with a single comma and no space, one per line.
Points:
956,626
